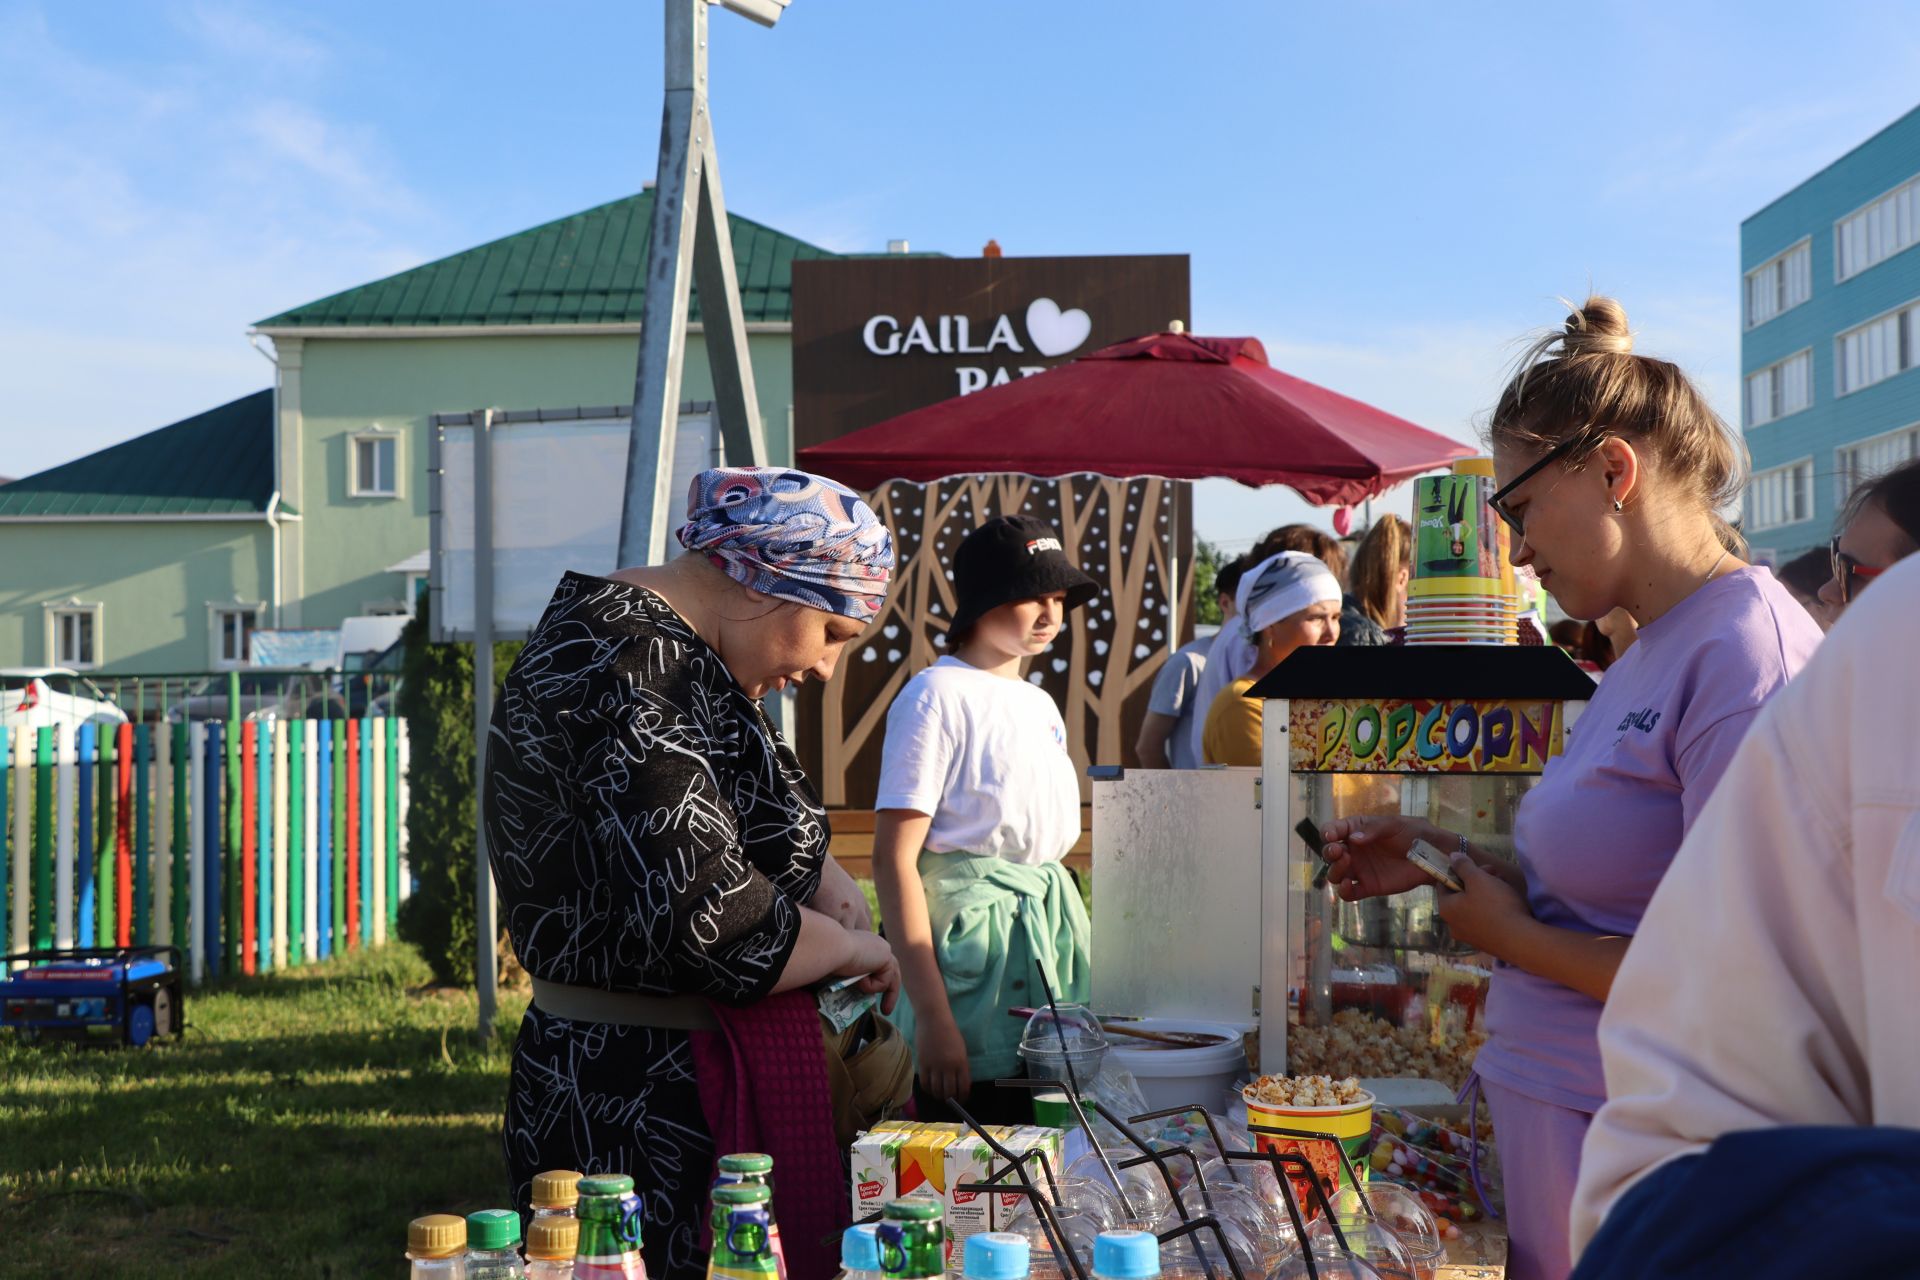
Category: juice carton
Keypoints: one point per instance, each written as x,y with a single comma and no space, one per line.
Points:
921,1160
970,1159
876,1158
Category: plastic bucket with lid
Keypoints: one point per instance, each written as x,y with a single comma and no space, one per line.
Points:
1350,1125
1171,1077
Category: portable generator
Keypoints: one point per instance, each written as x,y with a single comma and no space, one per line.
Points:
122,995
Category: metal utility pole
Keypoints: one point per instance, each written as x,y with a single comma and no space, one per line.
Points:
688,240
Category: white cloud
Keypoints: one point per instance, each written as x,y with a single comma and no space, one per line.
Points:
231,30
150,214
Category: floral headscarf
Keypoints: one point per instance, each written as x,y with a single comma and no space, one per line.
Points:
790,534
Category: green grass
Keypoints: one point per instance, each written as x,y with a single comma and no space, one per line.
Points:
302,1122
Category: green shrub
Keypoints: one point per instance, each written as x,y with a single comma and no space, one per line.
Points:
437,701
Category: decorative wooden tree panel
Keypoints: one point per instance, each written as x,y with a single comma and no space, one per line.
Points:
1125,533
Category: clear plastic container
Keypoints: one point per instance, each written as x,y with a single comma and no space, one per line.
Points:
1051,1045
493,1245
437,1247
551,1242
860,1252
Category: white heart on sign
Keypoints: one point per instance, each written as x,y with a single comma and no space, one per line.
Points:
1055,332
890,631
1059,664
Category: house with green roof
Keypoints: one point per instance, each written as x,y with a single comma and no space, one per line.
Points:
157,554
305,505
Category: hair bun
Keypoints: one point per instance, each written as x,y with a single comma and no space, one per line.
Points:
1598,327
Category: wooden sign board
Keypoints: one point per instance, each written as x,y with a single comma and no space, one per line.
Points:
876,337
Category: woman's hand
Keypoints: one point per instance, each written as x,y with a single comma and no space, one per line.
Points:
1486,913
840,899
942,1055
1367,855
873,960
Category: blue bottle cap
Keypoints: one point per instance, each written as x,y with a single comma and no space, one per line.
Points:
997,1255
1126,1255
860,1248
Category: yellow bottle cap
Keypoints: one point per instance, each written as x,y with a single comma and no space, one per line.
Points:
438,1235
558,1189
553,1238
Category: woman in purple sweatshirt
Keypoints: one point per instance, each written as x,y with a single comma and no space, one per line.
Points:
1611,467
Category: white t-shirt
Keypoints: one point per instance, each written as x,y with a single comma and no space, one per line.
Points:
987,757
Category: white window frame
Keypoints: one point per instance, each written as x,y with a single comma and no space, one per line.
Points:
1846,478
375,433
217,613
1840,387
1772,370
1801,483
1912,186
54,611
1805,243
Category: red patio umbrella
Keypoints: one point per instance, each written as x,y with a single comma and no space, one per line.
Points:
1168,404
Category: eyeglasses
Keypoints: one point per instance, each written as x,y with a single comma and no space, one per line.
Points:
1850,573
1499,499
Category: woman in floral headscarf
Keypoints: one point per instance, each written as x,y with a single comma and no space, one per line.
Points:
662,860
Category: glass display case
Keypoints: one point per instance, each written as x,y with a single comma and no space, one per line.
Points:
1454,735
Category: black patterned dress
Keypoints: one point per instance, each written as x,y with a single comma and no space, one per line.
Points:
649,831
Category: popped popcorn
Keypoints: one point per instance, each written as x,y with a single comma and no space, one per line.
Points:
1307,1091
1360,1043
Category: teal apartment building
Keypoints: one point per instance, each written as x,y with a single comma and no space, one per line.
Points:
1830,341
306,503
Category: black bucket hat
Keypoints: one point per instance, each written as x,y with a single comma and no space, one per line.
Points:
1013,558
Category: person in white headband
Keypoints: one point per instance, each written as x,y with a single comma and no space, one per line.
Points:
1287,601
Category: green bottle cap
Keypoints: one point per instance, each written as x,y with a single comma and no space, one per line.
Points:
741,1193
607,1184
493,1229
746,1162
913,1209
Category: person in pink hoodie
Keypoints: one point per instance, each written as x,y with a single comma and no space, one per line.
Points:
1772,980
1611,467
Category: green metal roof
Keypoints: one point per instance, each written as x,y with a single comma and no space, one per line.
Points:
214,463
590,268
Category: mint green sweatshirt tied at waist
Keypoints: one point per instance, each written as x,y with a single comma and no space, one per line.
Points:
995,923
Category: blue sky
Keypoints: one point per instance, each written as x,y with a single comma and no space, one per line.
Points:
1387,195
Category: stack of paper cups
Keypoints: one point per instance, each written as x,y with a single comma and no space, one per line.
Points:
1463,589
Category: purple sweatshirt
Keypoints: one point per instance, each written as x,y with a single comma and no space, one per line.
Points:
1595,836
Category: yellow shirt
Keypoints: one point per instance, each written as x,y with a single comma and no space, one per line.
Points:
1232,731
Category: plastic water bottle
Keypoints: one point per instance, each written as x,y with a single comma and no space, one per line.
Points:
555,1194
755,1169
437,1247
1126,1255
996,1255
493,1245
860,1252
609,1247
551,1242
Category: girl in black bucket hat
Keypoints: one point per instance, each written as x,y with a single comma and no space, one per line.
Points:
978,802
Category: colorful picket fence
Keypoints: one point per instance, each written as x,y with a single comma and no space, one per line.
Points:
251,846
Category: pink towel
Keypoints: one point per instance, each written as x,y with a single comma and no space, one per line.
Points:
763,1087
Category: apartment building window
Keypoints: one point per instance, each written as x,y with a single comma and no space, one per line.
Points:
1876,350
1781,388
1783,282
74,635
375,464
1869,236
1780,496
1864,459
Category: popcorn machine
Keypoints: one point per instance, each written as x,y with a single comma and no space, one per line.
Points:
1452,734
